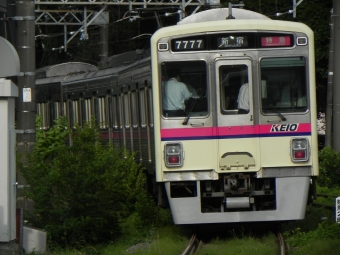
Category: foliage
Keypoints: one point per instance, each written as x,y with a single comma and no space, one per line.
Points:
297,238
82,192
329,168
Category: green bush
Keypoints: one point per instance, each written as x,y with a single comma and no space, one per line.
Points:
82,192
329,168
324,231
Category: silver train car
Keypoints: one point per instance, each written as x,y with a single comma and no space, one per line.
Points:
119,98
215,162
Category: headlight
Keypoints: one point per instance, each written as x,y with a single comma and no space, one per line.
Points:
173,148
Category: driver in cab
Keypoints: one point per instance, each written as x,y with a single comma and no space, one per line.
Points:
175,94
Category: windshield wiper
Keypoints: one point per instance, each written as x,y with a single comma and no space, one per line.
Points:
275,110
185,122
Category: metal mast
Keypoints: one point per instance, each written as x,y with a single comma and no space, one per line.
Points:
336,76
329,126
25,103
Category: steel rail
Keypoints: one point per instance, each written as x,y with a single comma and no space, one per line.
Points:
192,246
281,244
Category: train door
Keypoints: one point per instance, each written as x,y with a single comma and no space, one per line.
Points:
237,138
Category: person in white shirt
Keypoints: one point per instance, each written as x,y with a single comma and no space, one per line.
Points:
192,90
243,99
175,94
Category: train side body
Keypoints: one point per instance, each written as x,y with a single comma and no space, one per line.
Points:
117,98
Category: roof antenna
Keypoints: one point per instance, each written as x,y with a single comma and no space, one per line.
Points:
230,12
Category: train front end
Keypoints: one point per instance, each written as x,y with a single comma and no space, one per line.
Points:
222,160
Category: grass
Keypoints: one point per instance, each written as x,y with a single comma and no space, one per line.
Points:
318,247
316,235
166,242
333,193
242,246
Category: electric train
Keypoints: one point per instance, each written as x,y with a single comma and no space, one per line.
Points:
216,163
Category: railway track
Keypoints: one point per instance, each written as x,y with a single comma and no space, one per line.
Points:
194,245
282,246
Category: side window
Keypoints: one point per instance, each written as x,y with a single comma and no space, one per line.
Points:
114,115
184,89
234,89
283,84
74,113
43,109
56,110
88,109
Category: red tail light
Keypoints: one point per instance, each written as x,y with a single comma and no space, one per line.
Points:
173,159
300,154
299,149
173,154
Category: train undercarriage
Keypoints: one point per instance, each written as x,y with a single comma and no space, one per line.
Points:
233,192
238,197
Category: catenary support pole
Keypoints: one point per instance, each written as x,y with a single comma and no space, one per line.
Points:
336,76
104,48
329,127
25,104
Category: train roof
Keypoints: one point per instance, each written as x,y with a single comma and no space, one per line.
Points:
64,69
230,25
74,72
221,14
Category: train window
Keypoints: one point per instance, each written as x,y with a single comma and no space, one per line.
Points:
233,84
113,106
88,110
65,110
101,113
142,107
107,112
56,109
120,110
96,110
43,109
126,109
150,106
74,118
184,88
134,110
283,84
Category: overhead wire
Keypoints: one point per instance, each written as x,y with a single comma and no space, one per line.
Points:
125,18
109,24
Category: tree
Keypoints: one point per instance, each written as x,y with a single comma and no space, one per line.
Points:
82,192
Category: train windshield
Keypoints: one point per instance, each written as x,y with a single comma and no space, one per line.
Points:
283,85
234,88
184,88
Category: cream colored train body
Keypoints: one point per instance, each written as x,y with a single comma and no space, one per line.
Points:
220,163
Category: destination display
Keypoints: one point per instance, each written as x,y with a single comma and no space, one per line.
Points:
232,41
276,41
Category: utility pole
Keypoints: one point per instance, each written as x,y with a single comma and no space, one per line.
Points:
329,127
294,7
25,104
336,75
